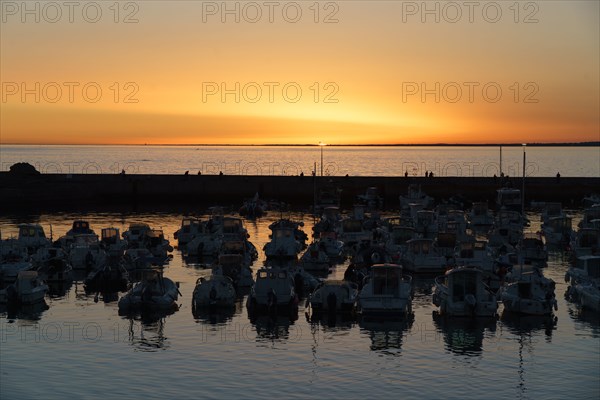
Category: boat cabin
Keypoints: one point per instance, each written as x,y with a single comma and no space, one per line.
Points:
81,227
386,279
110,236
462,282
31,231
420,246
589,266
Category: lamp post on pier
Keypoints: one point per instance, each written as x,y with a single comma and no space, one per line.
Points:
321,145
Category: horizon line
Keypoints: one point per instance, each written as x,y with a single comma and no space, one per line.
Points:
588,143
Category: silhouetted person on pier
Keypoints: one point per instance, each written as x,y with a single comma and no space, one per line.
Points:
406,174
301,174
495,178
220,173
431,174
122,172
199,172
426,174
187,173
557,177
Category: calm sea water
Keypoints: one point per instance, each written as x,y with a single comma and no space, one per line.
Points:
78,348
265,160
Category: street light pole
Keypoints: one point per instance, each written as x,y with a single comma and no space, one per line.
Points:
523,181
321,144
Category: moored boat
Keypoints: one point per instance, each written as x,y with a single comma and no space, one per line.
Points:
461,292
386,290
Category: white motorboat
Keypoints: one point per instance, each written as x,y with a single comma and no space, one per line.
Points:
136,234
333,296
299,234
332,246
213,291
112,242
584,278
352,231
315,258
283,244
233,229
528,292
421,256
86,252
481,216
386,290
206,242
507,229
415,196
79,227
190,227
558,230
273,291
154,292
398,237
27,289
533,249
461,292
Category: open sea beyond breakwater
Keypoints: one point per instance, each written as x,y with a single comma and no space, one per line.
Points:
462,161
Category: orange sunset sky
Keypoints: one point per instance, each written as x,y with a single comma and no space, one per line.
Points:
360,66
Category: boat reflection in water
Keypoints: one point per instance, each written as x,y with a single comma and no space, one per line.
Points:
519,324
146,332
330,320
464,336
585,319
58,290
385,333
526,328
27,312
220,315
274,328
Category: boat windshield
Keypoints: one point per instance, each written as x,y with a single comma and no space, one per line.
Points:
386,281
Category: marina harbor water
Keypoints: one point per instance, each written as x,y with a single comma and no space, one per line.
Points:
187,354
